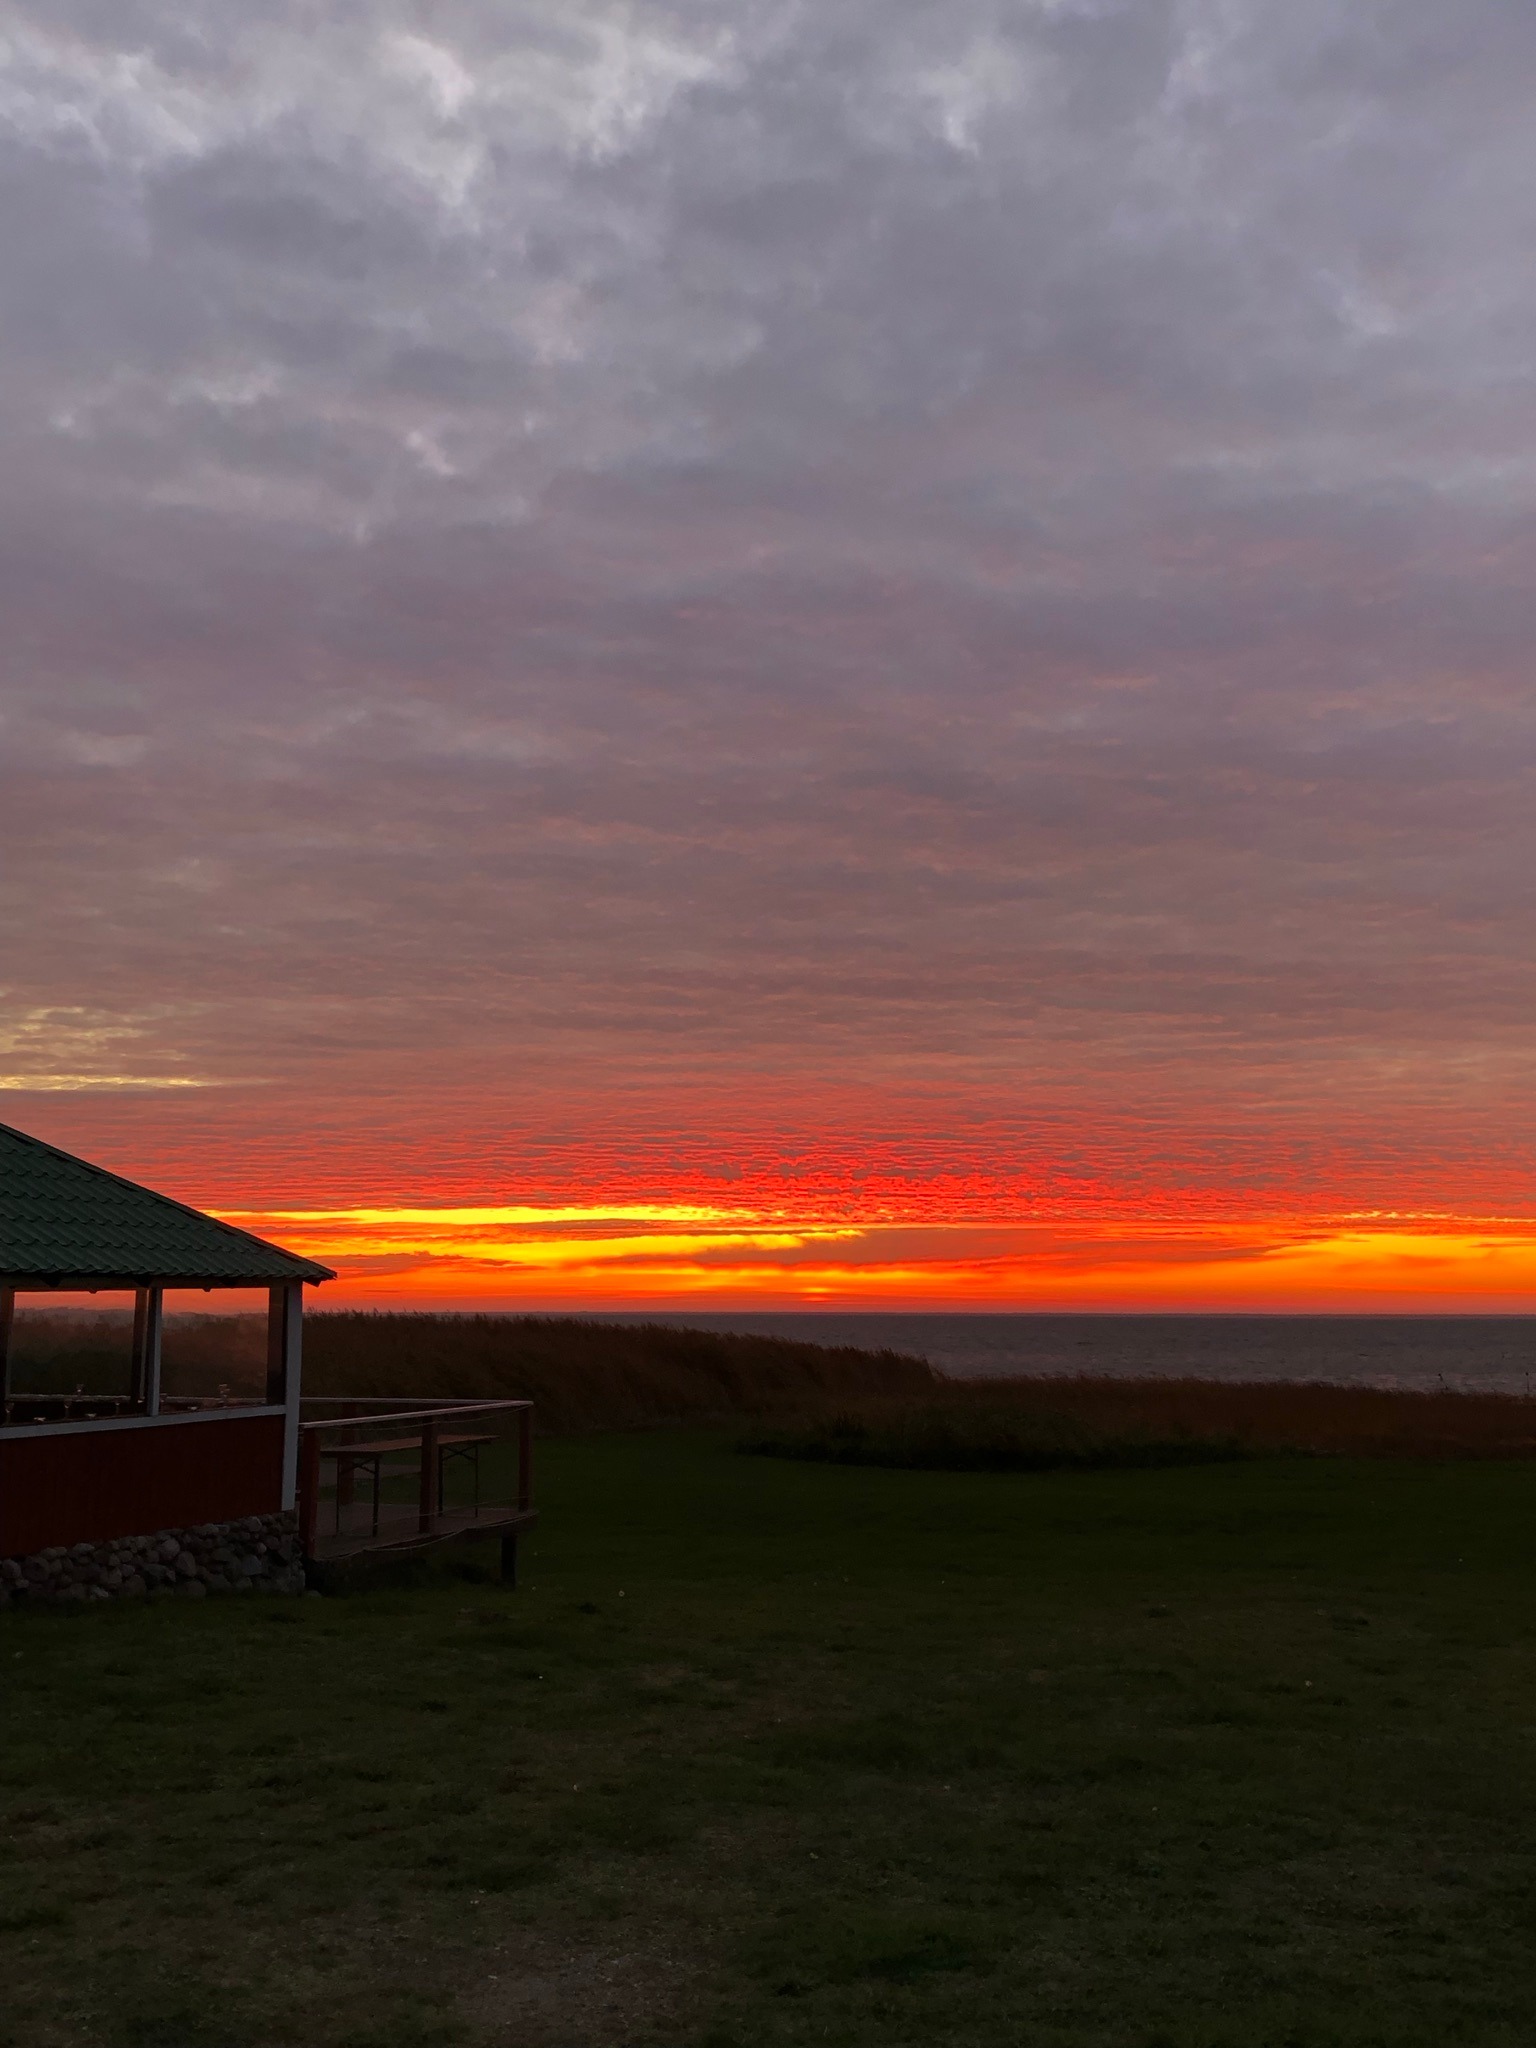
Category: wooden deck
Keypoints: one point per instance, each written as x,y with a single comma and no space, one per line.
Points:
400,1536
413,1477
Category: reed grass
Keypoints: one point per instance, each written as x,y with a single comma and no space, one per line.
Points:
56,1351
586,1375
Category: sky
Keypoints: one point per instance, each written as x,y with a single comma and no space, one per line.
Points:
848,653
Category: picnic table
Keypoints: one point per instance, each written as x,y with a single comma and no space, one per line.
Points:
350,1459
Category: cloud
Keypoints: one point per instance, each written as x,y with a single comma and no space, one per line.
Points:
954,569
77,1049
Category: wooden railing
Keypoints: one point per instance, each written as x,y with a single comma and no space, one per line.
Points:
402,1455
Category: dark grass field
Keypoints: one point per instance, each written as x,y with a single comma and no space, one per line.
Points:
767,1752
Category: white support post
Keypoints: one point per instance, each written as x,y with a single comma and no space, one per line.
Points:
285,1344
7,1319
148,1318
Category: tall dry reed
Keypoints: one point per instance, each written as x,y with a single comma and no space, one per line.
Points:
586,1375
589,1375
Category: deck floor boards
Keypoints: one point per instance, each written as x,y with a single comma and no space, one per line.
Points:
399,1528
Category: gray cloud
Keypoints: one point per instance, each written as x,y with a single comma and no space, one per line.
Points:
952,545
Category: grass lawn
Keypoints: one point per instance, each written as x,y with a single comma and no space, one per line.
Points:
771,1753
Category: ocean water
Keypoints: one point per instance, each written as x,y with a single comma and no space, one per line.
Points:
1469,1353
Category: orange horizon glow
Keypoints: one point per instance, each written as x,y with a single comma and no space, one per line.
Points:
574,1256
632,1205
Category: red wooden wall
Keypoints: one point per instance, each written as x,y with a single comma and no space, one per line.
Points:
88,1485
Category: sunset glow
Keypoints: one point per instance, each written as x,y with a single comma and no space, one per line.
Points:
524,1257
889,664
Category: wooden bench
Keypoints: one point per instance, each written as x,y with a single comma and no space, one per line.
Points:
351,1458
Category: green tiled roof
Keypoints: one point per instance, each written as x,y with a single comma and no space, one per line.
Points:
65,1221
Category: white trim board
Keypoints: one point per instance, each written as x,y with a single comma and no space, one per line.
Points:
21,1431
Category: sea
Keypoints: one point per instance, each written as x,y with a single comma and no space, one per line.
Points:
1471,1354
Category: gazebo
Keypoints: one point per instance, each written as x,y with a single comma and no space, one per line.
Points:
127,1492
135,1466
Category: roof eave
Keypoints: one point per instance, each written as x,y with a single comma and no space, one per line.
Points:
84,1283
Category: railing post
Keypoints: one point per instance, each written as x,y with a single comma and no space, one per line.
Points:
346,1479
524,1459
309,1488
429,1502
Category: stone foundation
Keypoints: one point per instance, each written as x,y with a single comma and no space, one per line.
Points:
260,1554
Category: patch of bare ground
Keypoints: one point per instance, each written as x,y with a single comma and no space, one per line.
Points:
532,1991
349,1978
